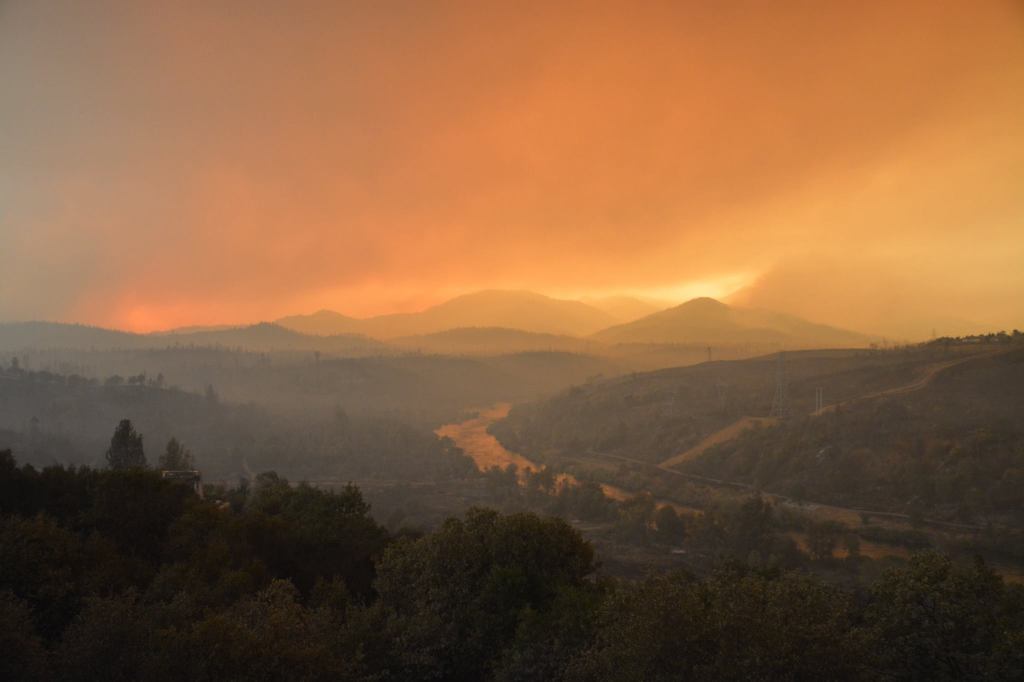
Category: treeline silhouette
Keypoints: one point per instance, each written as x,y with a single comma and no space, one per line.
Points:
119,575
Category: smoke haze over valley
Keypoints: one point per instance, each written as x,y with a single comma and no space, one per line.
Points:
580,341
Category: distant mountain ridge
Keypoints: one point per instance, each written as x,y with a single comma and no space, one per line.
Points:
19,335
523,310
613,320
486,322
321,323
706,320
270,336
259,337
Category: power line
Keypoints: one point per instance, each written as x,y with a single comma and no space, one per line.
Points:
780,403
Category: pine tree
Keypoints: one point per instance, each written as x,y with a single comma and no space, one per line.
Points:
125,450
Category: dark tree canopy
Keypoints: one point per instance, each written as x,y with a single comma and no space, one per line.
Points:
460,595
122,575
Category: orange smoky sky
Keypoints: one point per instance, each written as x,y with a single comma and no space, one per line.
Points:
171,163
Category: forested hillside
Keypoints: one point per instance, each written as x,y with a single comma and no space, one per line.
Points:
954,449
654,415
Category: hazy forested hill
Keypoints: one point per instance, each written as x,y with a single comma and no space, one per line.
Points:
933,429
954,449
47,418
427,389
495,341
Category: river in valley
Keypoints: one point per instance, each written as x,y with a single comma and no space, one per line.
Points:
485,450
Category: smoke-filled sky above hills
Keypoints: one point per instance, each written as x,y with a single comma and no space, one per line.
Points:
173,163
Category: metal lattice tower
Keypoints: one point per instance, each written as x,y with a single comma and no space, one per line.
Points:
780,403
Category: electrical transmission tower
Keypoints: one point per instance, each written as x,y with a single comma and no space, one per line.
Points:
780,403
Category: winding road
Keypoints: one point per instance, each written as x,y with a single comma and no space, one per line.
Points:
734,430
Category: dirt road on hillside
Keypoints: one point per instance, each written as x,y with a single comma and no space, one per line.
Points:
734,430
721,436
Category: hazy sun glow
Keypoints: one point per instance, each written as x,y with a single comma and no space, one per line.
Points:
166,164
